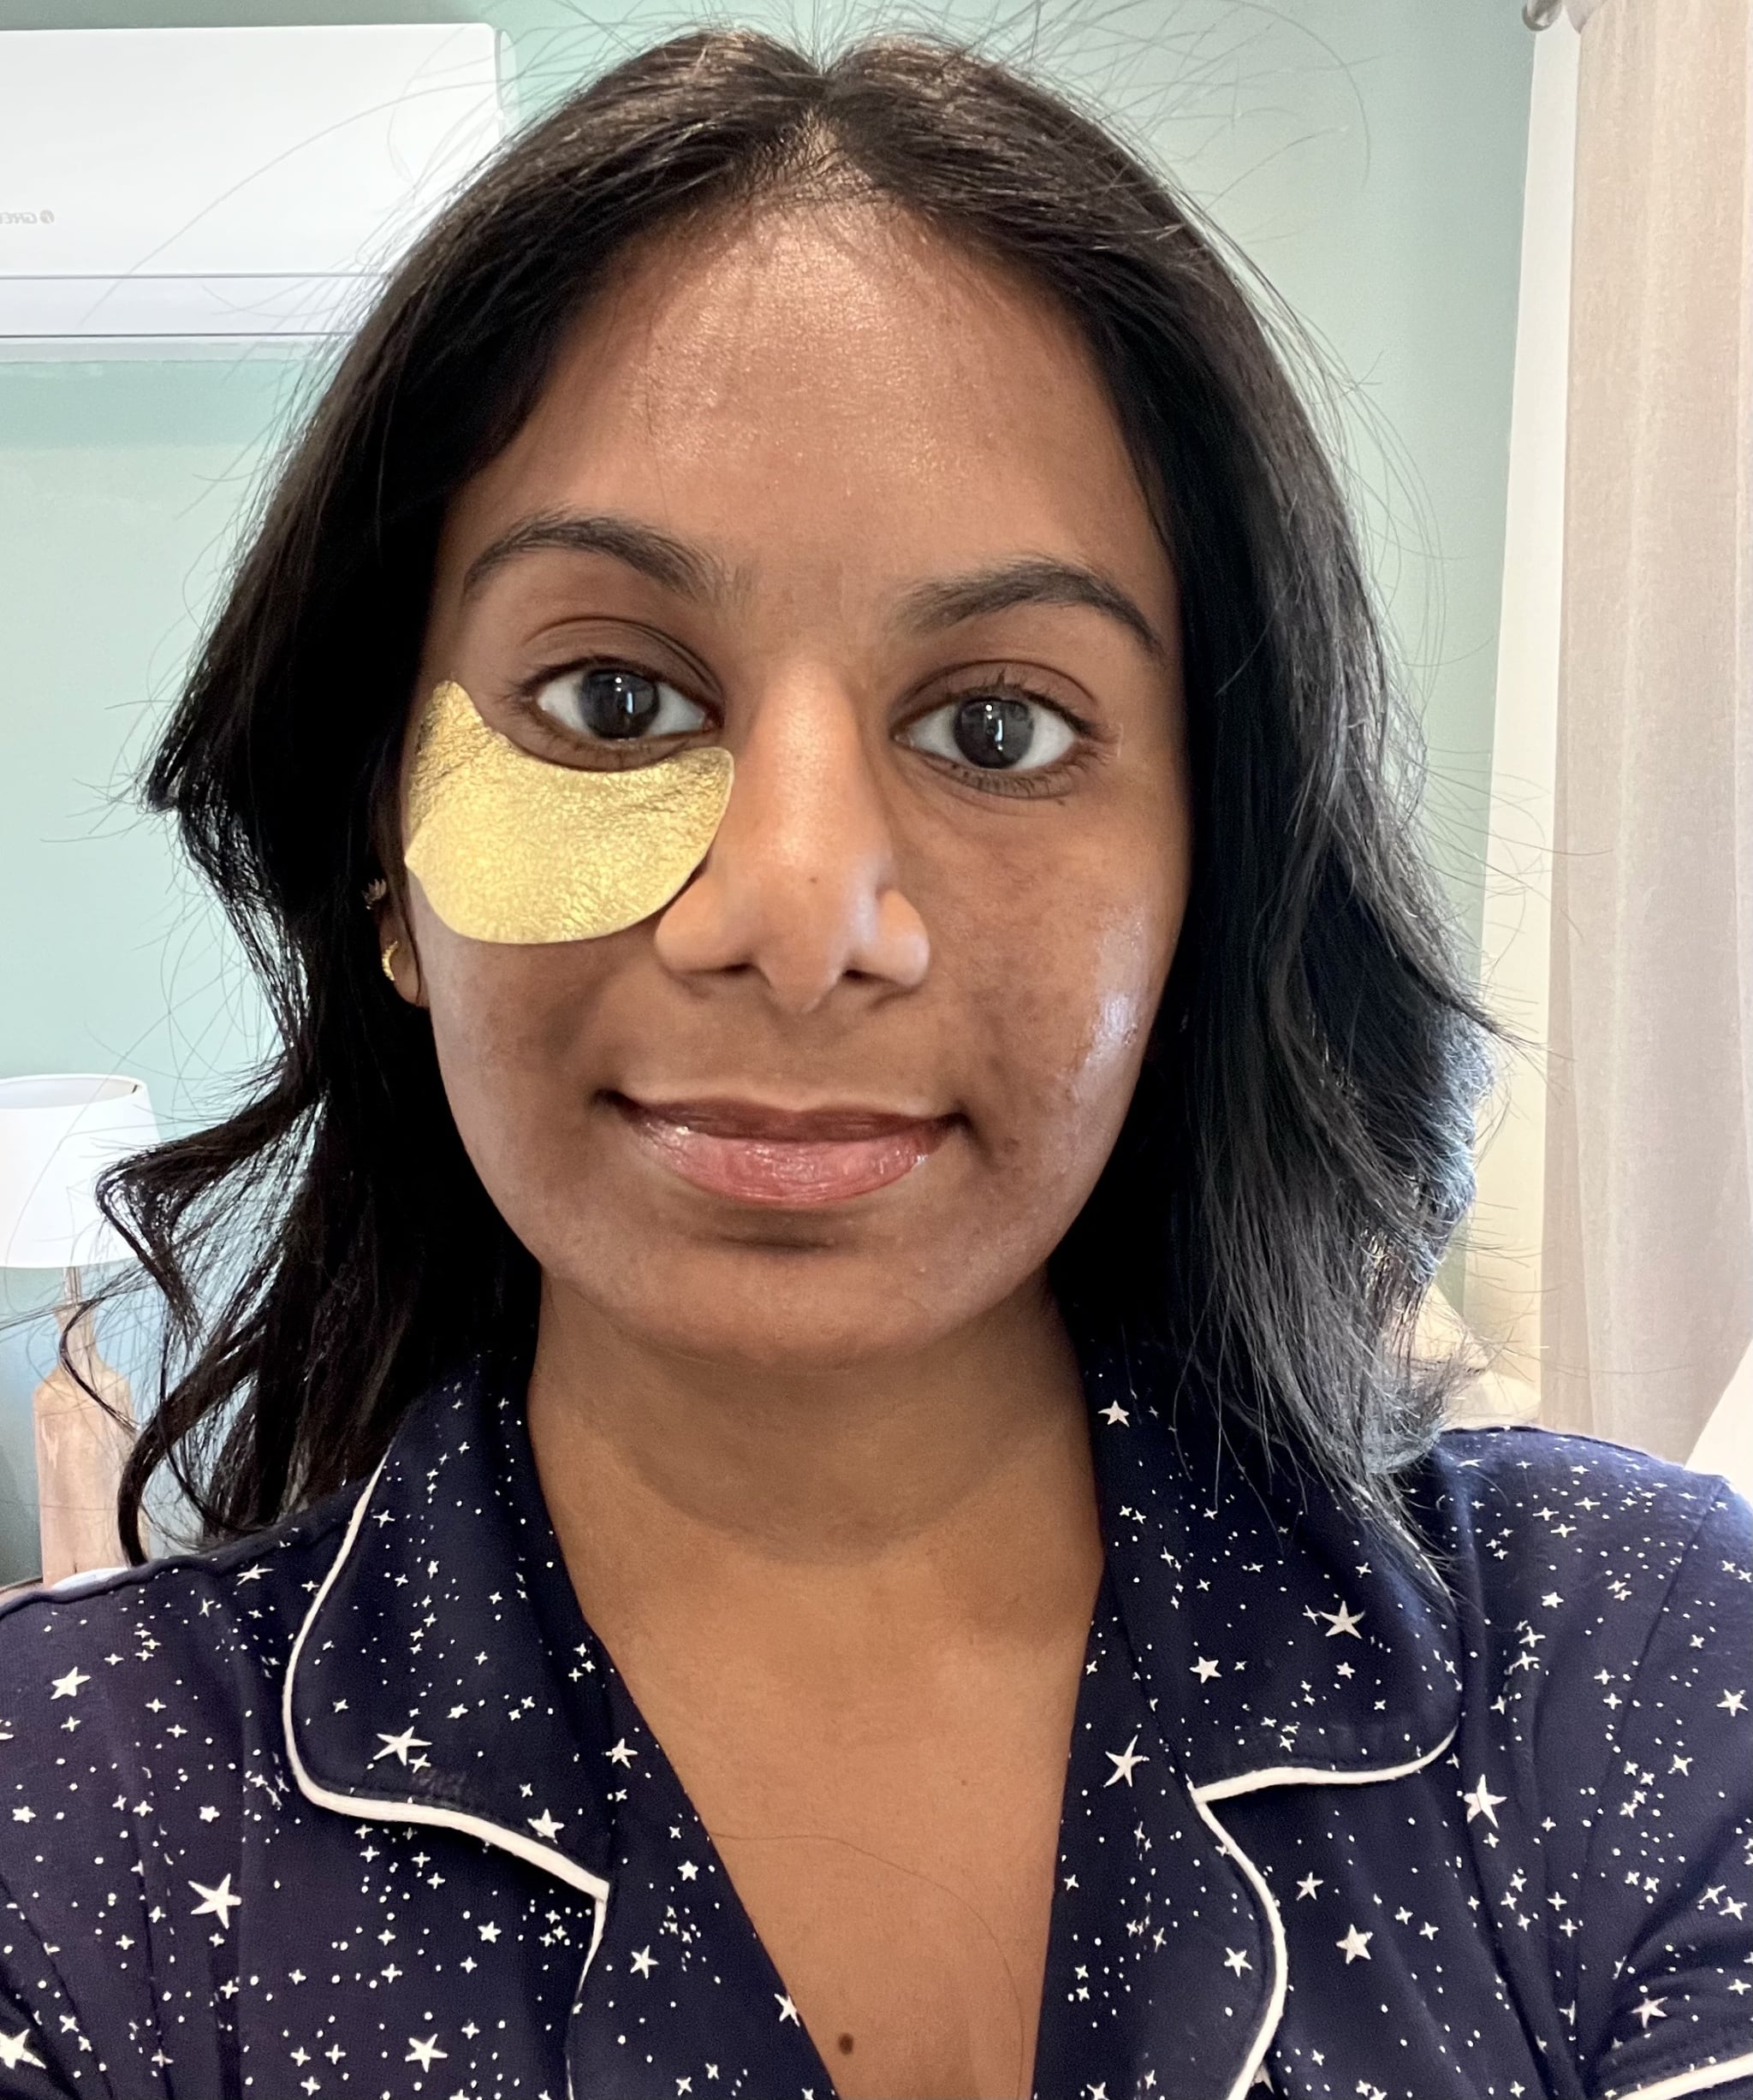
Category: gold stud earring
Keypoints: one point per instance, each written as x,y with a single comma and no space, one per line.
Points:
388,971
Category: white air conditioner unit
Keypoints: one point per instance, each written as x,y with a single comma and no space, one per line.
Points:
166,189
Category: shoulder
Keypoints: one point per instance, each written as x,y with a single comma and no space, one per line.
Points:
1527,1510
1601,1590
207,1598
1606,1610
97,1671
140,1747
1507,1456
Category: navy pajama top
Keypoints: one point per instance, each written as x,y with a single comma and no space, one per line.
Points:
361,1806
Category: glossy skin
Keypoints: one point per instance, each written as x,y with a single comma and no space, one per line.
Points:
820,1472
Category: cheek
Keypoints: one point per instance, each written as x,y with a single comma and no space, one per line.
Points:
508,1027
1062,1011
1090,1021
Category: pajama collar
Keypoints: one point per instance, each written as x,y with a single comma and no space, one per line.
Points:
444,1673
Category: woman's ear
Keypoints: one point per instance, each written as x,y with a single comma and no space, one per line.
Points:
397,954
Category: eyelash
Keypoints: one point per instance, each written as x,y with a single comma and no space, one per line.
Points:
1041,781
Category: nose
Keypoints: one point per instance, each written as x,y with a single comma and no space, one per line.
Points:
799,884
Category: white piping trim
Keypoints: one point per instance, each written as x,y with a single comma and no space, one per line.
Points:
1693,2081
525,1848
1280,1959
1285,1774
1316,1775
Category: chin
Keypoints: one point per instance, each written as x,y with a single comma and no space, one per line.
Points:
778,1300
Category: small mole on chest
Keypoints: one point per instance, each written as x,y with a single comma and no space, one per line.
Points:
846,2045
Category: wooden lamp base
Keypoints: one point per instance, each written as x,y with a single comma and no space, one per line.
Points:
81,1449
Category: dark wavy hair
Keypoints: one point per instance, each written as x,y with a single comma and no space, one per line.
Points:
1300,1149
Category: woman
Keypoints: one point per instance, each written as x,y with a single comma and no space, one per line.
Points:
814,1478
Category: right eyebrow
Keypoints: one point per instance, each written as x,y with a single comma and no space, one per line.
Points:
690,571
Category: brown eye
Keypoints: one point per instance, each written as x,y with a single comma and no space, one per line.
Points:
617,703
994,732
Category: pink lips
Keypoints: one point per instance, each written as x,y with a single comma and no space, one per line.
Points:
766,1155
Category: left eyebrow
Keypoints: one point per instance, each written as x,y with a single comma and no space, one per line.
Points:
1031,580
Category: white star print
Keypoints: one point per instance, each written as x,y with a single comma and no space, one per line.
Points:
15,2048
1123,1762
374,1649
68,1687
1482,1802
215,1903
397,1746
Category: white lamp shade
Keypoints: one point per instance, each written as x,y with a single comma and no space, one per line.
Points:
59,1131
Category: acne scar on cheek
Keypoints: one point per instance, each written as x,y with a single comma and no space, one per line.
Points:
511,848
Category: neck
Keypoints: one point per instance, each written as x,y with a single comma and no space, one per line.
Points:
952,1488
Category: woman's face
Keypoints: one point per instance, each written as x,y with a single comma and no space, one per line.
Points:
857,508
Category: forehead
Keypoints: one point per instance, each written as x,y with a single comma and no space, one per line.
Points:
815,386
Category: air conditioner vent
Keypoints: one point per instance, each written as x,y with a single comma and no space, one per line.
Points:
223,186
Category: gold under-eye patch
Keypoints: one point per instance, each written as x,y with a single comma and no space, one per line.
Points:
511,848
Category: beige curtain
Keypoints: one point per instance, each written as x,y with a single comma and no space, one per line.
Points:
1646,1265
1506,1231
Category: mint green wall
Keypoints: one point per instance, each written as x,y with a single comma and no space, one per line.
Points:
1366,155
